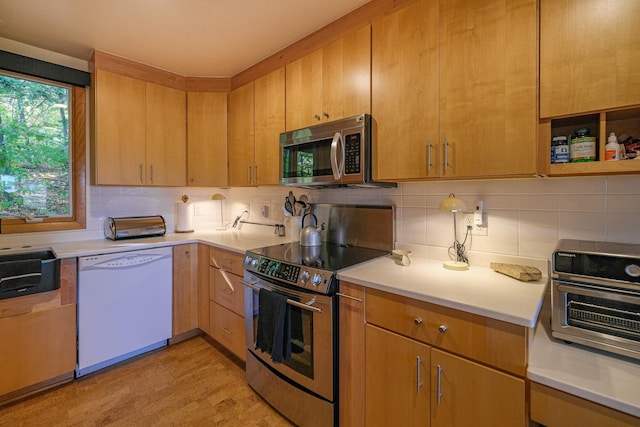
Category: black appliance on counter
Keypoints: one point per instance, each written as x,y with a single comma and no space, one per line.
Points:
28,272
302,384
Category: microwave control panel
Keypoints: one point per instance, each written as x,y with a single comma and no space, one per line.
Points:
352,147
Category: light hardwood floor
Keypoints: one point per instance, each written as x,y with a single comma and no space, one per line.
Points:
192,383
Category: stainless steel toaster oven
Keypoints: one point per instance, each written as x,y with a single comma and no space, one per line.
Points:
595,296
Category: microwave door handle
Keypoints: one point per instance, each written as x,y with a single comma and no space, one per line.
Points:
335,168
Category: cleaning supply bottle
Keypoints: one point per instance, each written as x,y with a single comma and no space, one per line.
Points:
612,149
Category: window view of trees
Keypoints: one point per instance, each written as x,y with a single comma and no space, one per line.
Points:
34,148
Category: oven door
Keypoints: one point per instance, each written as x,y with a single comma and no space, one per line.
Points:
598,316
312,358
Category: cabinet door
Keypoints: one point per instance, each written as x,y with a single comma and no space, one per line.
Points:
304,91
269,123
468,394
346,76
352,355
185,288
404,92
166,136
488,117
119,126
588,56
397,380
241,137
207,136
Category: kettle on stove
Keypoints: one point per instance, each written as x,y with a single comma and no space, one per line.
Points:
310,235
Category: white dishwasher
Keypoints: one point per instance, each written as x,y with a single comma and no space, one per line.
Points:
124,306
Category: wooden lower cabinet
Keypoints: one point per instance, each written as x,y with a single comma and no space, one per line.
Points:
351,335
554,408
185,288
397,379
465,393
227,328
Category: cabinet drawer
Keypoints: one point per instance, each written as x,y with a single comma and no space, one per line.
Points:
227,328
221,292
497,343
226,260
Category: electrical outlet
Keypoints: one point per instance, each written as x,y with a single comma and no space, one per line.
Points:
475,229
197,210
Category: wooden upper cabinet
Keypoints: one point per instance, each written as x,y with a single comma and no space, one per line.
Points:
330,83
140,132
119,146
241,137
404,92
166,130
269,114
588,56
207,139
488,110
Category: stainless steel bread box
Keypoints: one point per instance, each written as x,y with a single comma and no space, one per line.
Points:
132,227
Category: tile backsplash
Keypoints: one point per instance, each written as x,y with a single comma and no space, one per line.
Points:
525,217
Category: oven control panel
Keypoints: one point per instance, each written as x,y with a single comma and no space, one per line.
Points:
300,276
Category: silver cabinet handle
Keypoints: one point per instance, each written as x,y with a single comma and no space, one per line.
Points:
141,173
446,154
349,297
249,173
428,155
151,167
443,328
439,382
255,174
417,321
419,362
226,331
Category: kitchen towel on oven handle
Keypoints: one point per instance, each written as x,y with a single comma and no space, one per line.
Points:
274,326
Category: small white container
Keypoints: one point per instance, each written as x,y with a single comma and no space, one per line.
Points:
612,149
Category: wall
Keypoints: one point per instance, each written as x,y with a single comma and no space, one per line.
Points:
525,217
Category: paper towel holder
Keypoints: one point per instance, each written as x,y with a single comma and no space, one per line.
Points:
220,197
184,218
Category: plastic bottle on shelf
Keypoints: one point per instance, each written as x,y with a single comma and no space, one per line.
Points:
612,149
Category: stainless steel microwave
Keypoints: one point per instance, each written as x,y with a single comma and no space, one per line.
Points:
331,154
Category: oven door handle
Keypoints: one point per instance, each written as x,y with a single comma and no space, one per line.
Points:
305,306
595,291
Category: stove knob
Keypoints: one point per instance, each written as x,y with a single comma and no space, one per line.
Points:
247,260
304,277
317,279
254,263
632,270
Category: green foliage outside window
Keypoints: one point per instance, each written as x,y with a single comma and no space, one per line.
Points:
34,148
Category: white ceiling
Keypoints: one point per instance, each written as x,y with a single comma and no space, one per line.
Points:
196,38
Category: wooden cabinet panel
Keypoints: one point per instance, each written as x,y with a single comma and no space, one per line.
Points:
226,291
269,113
166,136
351,335
228,261
207,139
488,111
228,329
118,154
203,287
37,347
494,342
588,56
304,91
241,137
554,408
185,288
397,380
404,89
346,76
468,394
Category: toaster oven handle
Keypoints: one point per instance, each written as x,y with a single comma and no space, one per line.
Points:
335,168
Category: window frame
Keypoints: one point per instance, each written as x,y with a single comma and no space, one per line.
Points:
77,219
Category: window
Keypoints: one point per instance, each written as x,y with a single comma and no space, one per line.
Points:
42,163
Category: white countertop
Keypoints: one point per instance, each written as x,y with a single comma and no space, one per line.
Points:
479,290
591,374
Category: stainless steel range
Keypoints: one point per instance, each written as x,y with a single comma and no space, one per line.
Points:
295,367
595,297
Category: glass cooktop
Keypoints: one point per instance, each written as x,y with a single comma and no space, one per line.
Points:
328,256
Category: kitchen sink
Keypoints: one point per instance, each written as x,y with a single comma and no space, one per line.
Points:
28,272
